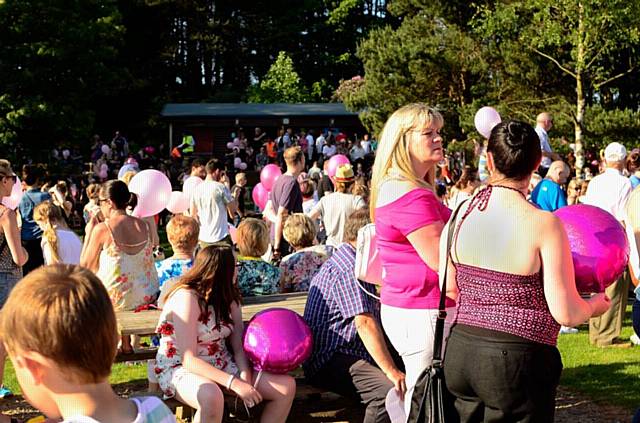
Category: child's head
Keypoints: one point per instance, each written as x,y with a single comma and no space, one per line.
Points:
241,179
93,191
182,232
252,237
212,279
299,231
58,326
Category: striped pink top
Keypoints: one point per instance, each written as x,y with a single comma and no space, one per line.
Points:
505,302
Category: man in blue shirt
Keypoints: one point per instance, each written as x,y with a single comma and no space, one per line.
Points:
350,356
548,194
31,234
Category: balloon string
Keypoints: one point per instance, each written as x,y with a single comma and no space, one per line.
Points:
255,385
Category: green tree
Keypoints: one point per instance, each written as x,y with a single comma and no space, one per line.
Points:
281,84
584,40
427,58
57,58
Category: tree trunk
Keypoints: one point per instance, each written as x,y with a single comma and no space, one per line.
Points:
580,99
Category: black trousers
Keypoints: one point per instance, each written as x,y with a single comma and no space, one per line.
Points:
36,259
502,378
352,377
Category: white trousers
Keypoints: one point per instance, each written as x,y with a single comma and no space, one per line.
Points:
411,332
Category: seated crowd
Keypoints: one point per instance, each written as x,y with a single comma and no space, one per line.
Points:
367,340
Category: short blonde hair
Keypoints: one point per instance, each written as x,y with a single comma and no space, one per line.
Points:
299,230
293,155
393,148
64,313
252,237
5,168
182,232
240,176
128,176
92,191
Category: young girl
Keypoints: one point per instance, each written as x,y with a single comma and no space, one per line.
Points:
193,361
59,243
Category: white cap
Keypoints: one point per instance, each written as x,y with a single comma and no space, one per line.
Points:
615,152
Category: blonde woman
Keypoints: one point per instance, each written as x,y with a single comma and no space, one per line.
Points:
255,276
409,219
59,243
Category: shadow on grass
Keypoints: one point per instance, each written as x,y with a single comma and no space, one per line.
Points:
616,383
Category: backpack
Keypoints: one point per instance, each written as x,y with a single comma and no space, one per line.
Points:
368,265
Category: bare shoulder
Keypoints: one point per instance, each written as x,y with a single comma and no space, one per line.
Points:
6,213
545,223
391,190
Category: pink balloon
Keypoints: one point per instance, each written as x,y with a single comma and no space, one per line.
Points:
233,233
178,202
154,191
270,173
335,162
105,149
277,340
599,246
102,174
236,142
190,185
260,196
243,166
485,119
237,161
12,201
230,145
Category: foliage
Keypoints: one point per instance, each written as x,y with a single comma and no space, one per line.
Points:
280,85
55,63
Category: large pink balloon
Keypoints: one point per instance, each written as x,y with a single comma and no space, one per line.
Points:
277,340
154,191
335,162
260,196
599,246
178,202
270,173
13,200
486,118
190,185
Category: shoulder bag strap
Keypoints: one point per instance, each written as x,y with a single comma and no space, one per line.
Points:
442,313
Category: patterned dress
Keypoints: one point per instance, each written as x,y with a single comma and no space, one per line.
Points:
257,277
300,267
10,273
212,348
172,268
131,279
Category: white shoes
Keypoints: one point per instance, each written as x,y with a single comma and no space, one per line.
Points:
635,340
567,330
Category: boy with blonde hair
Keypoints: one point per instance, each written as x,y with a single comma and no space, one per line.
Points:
60,331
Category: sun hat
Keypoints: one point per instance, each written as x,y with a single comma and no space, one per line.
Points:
344,173
615,152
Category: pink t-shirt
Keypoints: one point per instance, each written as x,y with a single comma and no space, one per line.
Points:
408,282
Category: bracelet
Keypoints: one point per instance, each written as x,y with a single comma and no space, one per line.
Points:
230,381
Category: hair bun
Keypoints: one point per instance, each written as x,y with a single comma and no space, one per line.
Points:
516,136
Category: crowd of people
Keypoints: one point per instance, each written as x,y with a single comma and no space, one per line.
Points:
510,286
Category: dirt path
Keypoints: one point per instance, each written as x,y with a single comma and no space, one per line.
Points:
570,408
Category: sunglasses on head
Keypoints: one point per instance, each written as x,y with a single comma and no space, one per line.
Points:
13,178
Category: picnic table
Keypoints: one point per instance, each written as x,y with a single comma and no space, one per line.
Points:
145,322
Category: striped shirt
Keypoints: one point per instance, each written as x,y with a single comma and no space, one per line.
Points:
334,300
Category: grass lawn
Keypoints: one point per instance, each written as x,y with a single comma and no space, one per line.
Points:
606,375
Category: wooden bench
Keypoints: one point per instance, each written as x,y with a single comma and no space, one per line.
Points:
144,323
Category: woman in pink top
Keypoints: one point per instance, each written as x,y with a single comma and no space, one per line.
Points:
409,219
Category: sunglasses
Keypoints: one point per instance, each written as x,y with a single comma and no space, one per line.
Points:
102,200
13,178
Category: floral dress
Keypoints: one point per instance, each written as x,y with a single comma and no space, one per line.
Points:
257,277
212,348
172,268
300,267
131,279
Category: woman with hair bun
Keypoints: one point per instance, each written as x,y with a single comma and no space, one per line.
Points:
120,252
511,274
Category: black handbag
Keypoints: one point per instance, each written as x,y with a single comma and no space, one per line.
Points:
431,401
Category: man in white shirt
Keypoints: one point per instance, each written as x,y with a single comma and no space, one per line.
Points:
366,144
210,204
357,152
320,141
544,122
610,191
310,145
